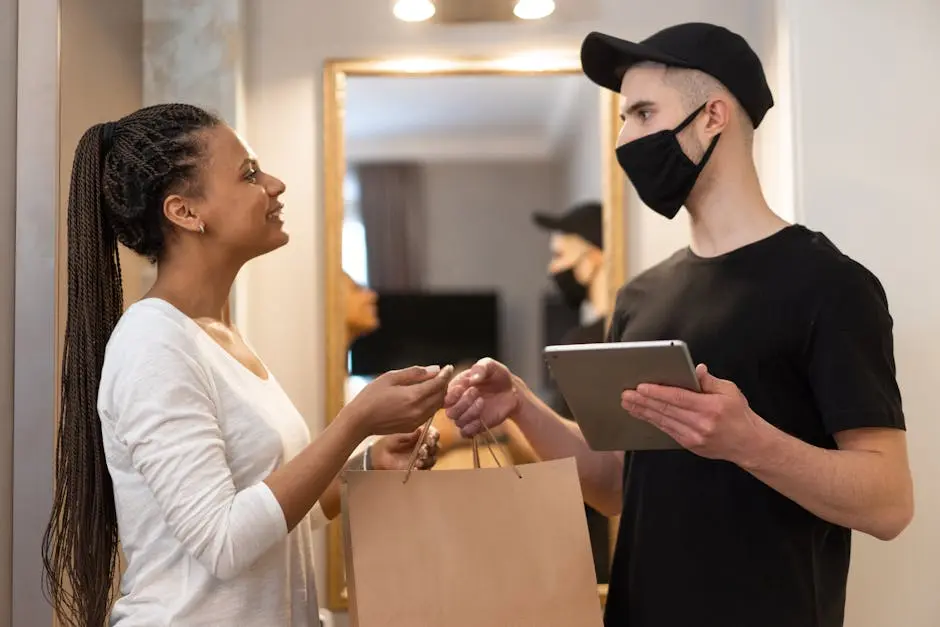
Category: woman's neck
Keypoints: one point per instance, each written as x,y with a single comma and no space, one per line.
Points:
197,289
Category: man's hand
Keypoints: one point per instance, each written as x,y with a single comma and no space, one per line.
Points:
716,423
864,485
484,394
393,452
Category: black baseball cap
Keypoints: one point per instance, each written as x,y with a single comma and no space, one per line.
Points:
712,49
586,220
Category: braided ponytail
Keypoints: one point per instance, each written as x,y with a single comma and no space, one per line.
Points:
121,175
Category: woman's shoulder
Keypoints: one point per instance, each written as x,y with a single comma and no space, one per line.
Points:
154,349
150,323
151,335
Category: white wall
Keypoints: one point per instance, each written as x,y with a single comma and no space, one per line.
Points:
581,150
481,235
7,243
78,64
288,41
37,161
867,136
773,141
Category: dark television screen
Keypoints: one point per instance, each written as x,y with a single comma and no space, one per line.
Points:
422,328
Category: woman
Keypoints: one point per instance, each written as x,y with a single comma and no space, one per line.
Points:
362,315
174,436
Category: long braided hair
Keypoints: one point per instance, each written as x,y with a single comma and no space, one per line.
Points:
122,173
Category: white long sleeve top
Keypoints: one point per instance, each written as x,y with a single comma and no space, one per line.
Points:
189,435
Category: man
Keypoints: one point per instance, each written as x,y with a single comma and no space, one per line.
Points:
577,268
577,265
798,434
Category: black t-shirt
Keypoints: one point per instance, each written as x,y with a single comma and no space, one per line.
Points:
598,524
805,333
592,333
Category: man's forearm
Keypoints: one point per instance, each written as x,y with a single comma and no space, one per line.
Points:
553,437
864,490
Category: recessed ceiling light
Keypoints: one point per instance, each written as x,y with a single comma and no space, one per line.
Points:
413,10
534,9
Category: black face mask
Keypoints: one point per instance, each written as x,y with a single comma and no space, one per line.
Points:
571,290
659,169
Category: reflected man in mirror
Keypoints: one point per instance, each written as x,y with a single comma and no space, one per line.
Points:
577,268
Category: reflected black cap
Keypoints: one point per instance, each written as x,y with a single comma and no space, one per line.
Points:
586,220
708,48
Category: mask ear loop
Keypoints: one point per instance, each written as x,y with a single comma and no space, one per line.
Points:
708,152
711,145
689,119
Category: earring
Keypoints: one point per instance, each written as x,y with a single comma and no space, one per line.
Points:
202,228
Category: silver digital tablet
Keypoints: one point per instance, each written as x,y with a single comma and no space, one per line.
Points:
592,377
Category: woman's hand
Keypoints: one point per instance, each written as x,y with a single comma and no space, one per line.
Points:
390,452
393,452
399,401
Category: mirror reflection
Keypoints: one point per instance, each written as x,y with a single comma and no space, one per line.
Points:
473,228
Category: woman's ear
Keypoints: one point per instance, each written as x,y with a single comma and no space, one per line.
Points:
178,211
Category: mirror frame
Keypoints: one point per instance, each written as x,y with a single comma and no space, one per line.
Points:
336,71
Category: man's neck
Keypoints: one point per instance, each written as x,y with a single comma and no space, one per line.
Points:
598,296
730,212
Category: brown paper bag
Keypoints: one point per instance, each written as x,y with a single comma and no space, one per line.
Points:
491,547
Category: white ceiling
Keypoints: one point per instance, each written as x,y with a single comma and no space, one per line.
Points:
460,116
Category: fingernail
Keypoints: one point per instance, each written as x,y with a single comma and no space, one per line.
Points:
432,369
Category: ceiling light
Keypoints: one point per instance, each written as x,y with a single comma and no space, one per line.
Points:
534,9
413,10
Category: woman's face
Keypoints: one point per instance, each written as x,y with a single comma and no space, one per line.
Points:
239,204
361,312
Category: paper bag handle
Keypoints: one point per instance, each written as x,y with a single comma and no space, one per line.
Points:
476,450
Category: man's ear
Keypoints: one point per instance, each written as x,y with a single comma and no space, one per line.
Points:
592,263
718,113
178,211
596,255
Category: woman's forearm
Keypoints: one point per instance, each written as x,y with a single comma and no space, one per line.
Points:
307,478
330,502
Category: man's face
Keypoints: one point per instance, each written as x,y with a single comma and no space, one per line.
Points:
649,105
575,253
567,251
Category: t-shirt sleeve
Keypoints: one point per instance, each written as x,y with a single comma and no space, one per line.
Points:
618,319
851,356
162,411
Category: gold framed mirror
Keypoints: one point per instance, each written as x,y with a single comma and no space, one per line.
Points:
439,126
